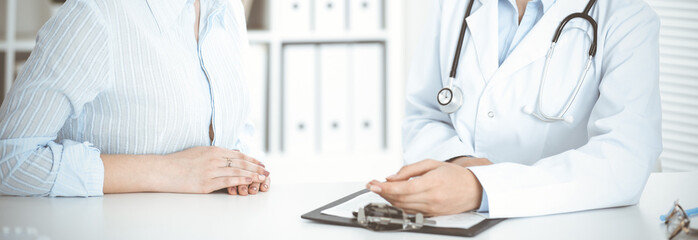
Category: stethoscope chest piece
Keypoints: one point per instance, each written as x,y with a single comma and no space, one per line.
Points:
450,99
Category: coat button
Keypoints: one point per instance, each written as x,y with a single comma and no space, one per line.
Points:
490,114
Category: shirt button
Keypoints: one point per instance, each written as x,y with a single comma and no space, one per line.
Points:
490,114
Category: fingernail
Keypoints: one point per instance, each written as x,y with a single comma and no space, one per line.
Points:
247,179
266,186
243,188
254,189
391,176
261,177
375,189
262,164
266,173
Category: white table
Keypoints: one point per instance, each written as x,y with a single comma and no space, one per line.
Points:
276,215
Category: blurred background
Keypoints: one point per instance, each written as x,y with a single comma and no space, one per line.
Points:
327,79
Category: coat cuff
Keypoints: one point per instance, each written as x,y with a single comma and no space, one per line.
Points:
484,203
80,170
484,175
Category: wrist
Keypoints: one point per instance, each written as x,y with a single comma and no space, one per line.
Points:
478,191
160,172
132,173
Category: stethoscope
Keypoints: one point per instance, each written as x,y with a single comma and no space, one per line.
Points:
450,98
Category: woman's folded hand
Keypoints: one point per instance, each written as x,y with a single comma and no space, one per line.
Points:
207,169
253,188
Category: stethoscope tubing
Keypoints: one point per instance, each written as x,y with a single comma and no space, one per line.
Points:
539,111
540,114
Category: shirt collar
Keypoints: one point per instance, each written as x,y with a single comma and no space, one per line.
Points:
166,12
546,3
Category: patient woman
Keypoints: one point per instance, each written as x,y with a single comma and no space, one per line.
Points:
132,96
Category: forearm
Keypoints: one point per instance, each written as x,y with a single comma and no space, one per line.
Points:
134,173
195,170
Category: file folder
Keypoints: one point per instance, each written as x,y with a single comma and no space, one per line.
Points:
334,98
330,16
368,79
295,16
365,15
316,215
299,102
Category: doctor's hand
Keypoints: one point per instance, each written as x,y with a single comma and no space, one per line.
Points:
431,187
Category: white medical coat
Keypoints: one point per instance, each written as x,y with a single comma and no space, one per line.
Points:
601,159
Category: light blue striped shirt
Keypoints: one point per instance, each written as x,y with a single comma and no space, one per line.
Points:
511,32
123,77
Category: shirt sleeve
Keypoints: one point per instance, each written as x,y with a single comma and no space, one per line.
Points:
247,141
68,68
624,131
484,205
427,132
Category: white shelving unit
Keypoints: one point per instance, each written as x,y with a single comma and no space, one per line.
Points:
320,167
7,46
20,22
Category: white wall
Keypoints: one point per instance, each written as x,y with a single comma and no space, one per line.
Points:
678,82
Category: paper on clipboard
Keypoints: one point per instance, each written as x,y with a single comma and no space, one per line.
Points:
463,220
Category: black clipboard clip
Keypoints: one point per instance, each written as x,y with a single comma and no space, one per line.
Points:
384,217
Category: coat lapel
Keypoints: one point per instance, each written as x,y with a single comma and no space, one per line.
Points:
482,17
483,23
537,42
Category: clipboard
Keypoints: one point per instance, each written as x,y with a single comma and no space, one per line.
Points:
318,216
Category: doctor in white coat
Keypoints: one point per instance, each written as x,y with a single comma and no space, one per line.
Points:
497,152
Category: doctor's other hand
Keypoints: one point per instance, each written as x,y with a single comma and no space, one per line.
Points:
470,161
207,169
431,187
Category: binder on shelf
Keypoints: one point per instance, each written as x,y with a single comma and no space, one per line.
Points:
365,15
257,74
330,16
368,79
295,16
299,103
334,97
